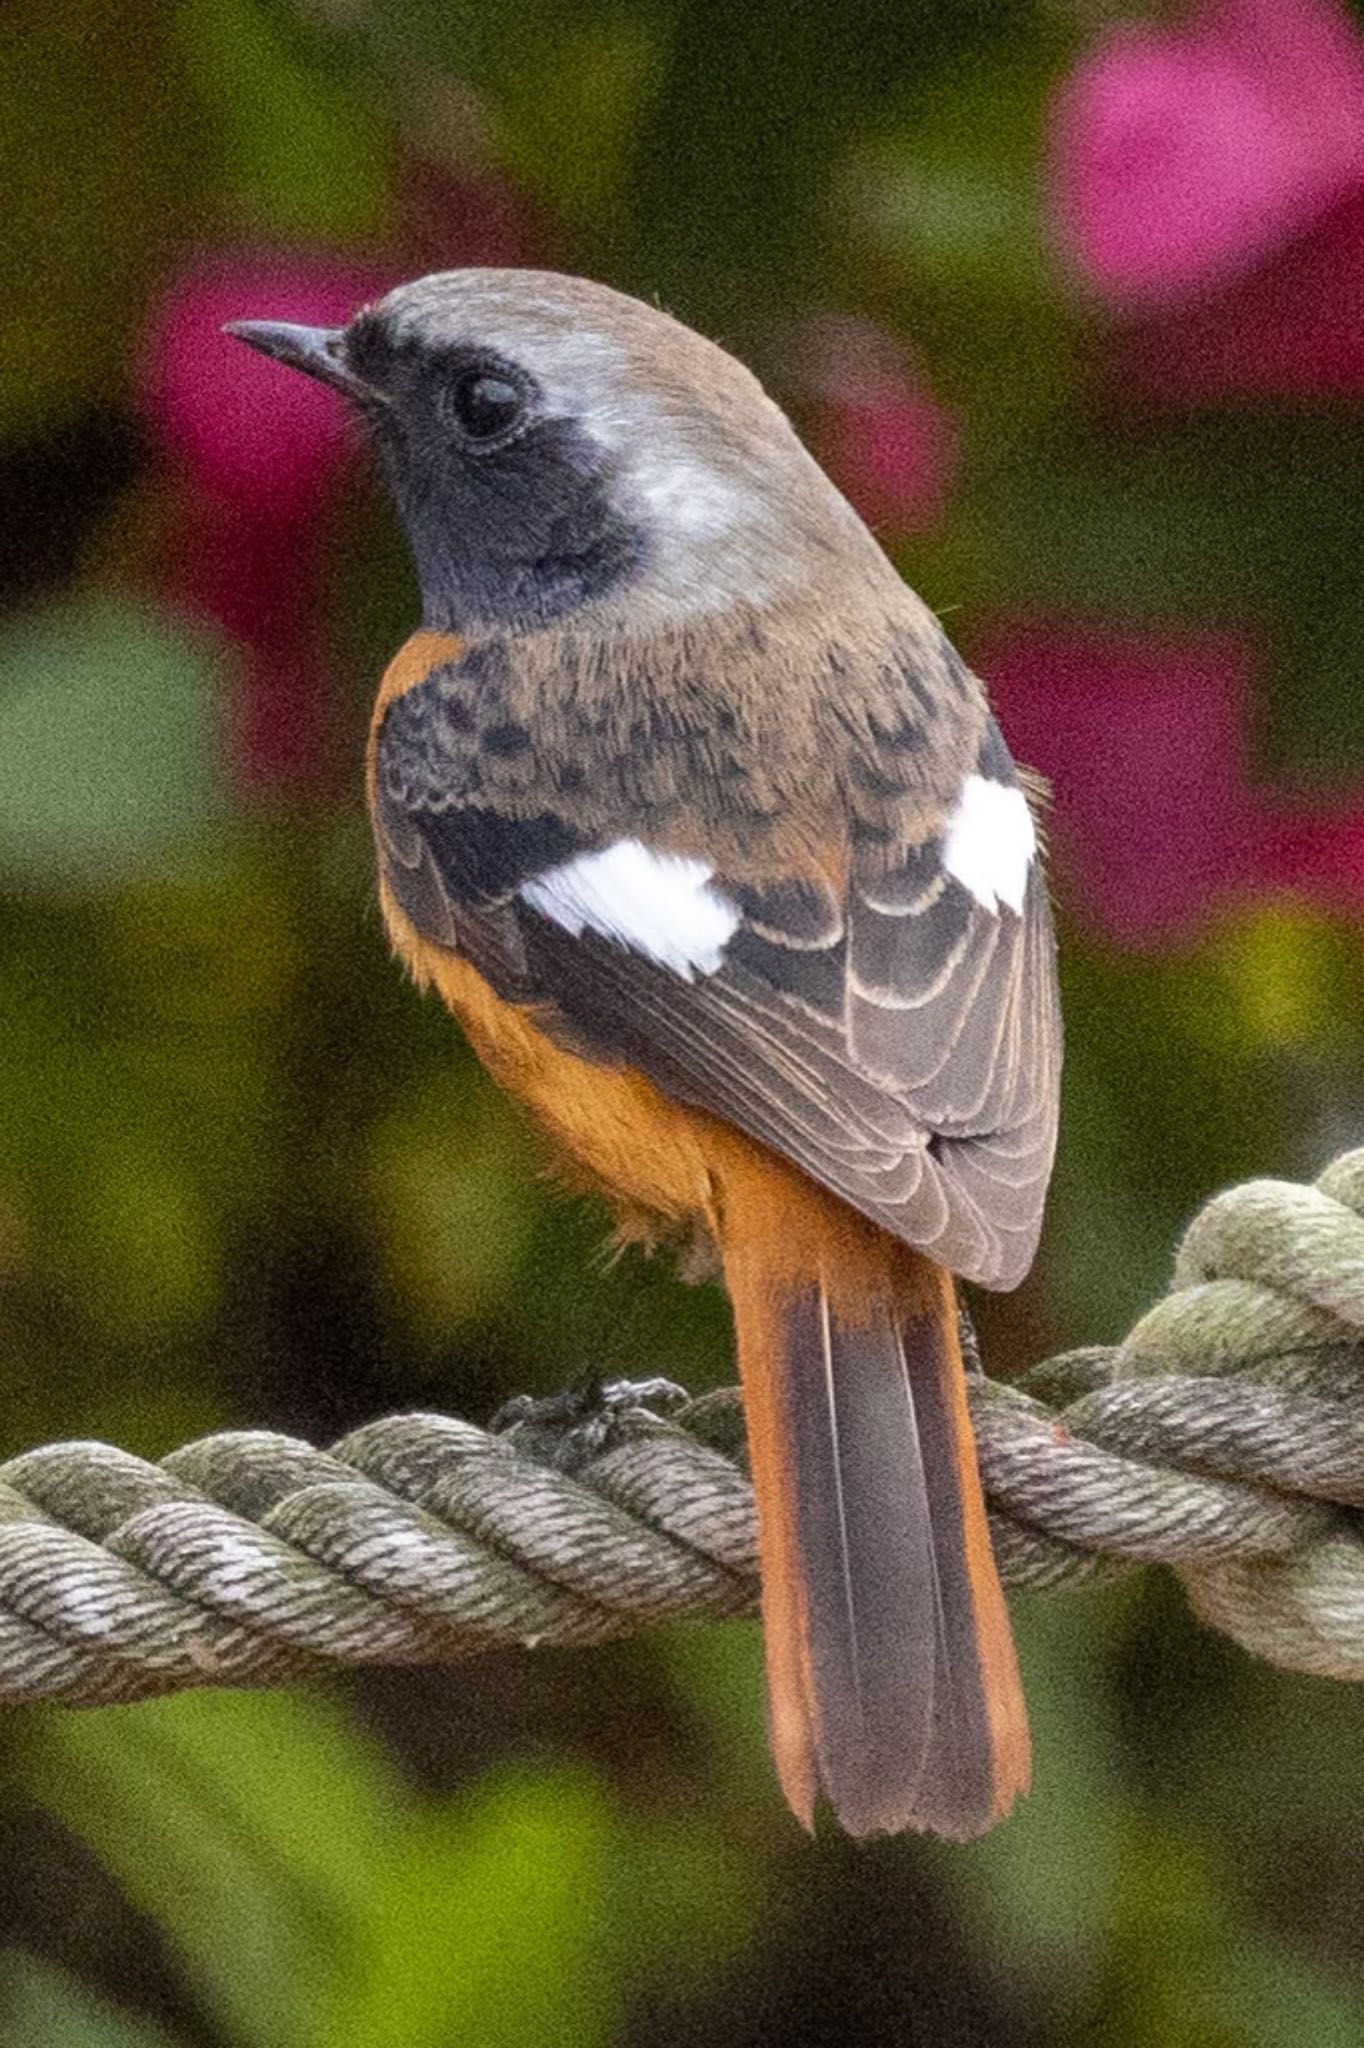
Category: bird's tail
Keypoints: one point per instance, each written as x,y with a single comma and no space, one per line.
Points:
892,1679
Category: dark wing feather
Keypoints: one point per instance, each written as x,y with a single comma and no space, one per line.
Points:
898,1040
740,1045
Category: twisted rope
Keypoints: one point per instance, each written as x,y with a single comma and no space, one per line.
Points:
1224,1437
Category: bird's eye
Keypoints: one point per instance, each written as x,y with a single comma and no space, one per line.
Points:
486,405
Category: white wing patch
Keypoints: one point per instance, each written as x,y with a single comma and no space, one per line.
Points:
659,904
990,842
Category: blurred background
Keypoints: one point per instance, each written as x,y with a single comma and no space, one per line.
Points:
1070,300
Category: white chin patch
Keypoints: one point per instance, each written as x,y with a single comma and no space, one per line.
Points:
990,842
659,904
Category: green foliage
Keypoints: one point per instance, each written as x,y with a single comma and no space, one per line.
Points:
106,766
445,1185
44,2007
304,151
98,162
140,1119
312,1898
949,223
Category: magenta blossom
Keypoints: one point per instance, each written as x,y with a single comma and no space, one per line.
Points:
242,431
1182,155
1156,822
889,444
257,452
1318,853
257,455
1142,739
1294,326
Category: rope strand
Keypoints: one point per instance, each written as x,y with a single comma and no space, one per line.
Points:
1224,1437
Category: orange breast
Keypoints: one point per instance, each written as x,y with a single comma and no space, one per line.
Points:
630,1139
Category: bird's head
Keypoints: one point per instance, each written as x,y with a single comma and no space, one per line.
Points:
555,447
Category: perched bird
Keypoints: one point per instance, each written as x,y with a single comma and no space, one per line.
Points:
702,829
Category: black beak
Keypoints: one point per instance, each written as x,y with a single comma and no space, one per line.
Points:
317,351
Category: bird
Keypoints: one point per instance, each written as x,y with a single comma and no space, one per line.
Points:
700,826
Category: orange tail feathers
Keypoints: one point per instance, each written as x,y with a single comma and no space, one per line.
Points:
892,1679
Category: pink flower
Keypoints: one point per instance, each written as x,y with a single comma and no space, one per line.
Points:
241,429
1318,853
1182,155
257,451
1156,823
885,439
1142,739
1292,326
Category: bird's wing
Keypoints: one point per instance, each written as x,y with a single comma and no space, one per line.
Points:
894,1031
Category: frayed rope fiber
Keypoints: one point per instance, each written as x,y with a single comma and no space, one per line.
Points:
1225,1438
